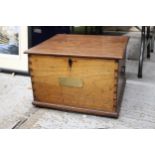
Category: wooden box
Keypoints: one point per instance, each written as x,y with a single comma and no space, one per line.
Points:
81,73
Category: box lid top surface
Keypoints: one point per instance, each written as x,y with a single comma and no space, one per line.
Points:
112,47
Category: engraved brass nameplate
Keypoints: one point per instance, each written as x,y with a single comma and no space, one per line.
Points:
70,82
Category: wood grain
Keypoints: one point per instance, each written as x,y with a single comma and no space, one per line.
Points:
83,46
98,77
79,73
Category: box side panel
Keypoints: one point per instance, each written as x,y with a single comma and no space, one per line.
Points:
121,83
77,82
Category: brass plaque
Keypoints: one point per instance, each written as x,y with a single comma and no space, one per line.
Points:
70,82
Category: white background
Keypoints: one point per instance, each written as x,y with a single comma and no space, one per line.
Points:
77,13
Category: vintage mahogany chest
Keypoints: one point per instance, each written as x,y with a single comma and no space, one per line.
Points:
81,73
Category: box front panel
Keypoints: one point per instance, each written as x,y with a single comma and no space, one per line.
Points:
77,82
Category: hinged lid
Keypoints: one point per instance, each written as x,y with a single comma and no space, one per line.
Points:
98,46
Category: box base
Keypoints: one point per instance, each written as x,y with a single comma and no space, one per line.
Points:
76,109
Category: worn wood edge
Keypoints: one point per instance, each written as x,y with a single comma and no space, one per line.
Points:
75,109
115,84
30,72
70,55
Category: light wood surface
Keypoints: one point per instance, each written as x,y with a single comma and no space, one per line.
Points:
79,73
83,46
99,81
